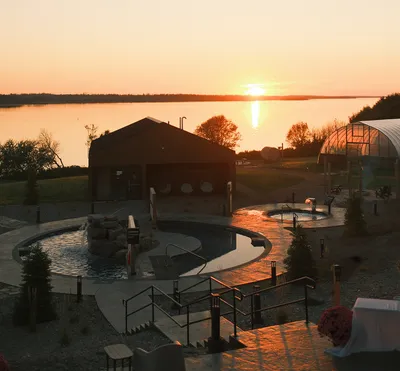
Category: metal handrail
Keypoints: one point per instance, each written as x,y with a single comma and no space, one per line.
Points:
188,251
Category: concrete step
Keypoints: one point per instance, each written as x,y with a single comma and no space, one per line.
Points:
198,332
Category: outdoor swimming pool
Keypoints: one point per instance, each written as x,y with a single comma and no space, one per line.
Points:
223,247
302,215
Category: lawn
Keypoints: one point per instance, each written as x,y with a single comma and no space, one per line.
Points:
50,190
265,179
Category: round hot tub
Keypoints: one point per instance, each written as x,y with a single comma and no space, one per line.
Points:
301,215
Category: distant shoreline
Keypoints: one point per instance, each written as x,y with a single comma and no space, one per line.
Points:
19,100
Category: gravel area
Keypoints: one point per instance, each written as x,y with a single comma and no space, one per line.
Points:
88,332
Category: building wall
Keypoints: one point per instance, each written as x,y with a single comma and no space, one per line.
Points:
169,178
102,183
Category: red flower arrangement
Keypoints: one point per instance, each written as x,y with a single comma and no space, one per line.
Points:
3,364
336,323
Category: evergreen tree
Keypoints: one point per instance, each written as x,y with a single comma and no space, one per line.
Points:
36,273
32,189
299,261
354,221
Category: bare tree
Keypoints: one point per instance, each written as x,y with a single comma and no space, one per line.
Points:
91,134
47,143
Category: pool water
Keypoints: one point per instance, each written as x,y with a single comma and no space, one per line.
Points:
302,216
70,256
222,247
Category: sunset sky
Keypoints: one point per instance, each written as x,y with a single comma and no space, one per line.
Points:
209,46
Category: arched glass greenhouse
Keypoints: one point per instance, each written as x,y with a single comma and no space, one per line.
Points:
379,139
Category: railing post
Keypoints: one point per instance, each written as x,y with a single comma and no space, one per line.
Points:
152,304
78,289
273,273
179,300
175,286
257,305
322,247
306,301
294,221
38,215
375,207
234,314
125,303
215,343
252,311
187,326
211,302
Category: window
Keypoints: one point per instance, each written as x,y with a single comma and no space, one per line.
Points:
357,130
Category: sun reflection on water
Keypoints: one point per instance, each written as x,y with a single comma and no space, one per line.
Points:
255,114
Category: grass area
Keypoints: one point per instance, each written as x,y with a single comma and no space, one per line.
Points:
50,190
300,163
372,183
265,179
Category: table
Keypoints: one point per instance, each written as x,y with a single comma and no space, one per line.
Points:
375,327
118,352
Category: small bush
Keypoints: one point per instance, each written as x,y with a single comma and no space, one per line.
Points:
35,273
336,324
3,364
281,317
65,339
354,221
85,330
74,319
299,261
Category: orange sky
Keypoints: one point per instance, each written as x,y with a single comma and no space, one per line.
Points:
216,47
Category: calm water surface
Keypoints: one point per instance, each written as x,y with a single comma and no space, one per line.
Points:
260,123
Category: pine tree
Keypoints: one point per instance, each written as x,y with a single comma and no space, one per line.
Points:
32,189
354,221
299,261
36,273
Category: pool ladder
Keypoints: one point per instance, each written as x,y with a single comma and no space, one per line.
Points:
188,251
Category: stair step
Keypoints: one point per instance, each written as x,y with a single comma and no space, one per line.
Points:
199,332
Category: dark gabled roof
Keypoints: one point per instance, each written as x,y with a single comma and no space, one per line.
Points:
146,124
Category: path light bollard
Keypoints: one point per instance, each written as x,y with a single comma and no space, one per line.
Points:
215,343
273,273
78,289
337,272
293,197
294,221
375,207
322,247
175,286
257,306
38,215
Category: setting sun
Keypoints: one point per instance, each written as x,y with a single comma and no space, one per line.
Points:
255,90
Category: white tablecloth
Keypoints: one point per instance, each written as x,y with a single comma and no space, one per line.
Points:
376,327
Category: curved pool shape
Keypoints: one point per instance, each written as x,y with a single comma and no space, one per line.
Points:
70,256
302,215
223,248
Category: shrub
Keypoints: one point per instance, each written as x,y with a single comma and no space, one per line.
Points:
336,324
354,218
85,330
35,273
281,317
299,261
32,189
3,364
65,339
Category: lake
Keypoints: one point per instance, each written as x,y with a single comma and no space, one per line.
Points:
260,123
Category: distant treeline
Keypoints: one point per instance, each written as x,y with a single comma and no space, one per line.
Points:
59,172
15,100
